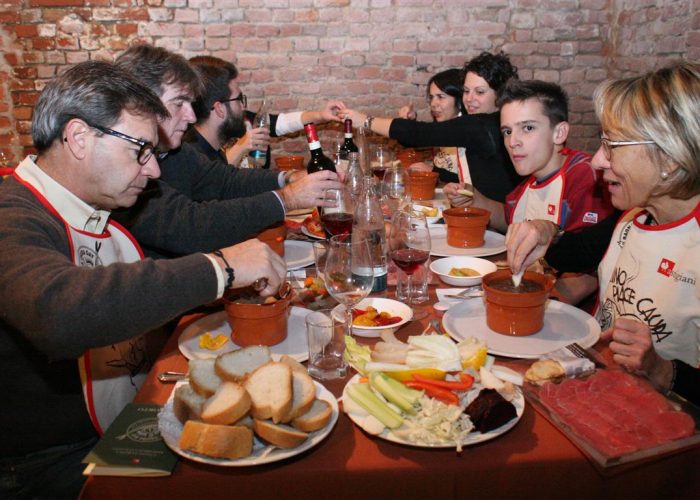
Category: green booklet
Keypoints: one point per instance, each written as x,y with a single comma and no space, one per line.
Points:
132,446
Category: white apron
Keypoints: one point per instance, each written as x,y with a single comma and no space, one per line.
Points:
651,274
453,159
110,375
541,201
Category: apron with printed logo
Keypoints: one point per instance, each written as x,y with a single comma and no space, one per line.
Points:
541,201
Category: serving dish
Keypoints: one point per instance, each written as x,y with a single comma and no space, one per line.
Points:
393,307
442,268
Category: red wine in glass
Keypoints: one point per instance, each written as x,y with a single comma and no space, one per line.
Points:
378,172
409,259
337,223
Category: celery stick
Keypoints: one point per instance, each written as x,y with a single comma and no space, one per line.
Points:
363,396
393,393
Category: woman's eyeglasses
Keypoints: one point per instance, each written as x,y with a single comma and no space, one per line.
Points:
147,149
241,97
609,145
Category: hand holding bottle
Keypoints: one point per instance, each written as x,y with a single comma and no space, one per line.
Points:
256,138
309,191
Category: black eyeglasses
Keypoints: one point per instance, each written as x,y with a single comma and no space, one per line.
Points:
241,97
147,149
609,145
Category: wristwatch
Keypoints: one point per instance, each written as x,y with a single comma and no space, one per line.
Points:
368,122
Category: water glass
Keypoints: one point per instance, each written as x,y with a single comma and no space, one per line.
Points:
320,251
326,339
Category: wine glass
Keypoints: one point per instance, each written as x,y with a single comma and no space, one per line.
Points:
409,245
337,218
349,274
381,160
393,188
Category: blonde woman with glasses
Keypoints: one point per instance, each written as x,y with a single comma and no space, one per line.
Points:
649,300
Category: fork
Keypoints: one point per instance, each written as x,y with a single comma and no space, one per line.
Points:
465,296
580,352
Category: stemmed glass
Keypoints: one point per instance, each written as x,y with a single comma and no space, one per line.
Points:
349,274
382,159
337,218
409,245
393,188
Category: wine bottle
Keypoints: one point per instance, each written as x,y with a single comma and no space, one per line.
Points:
258,157
348,145
368,224
318,160
354,177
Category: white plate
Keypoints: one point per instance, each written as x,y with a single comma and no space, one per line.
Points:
474,437
394,307
442,268
310,234
298,254
294,345
430,220
171,428
563,324
494,243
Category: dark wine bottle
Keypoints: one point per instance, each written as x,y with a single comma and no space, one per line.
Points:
318,160
348,145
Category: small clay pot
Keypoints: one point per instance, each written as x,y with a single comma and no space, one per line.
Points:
257,324
274,236
291,162
466,226
408,157
422,184
512,312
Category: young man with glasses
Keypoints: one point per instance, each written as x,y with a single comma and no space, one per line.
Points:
222,116
202,204
78,302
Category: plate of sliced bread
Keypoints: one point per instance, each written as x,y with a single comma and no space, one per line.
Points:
243,408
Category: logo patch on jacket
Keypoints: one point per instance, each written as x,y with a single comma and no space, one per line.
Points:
590,217
551,209
666,267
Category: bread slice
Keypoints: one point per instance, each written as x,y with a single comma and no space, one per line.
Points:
303,395
293,364
280,435
316,418
236,365
187,404
203,378
229,403
270,389
218,441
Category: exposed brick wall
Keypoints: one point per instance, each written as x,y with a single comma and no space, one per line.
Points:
376,55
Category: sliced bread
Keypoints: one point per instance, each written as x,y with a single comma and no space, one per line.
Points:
187,404
236,365
303,395
280,435
218,441
203,377
316,418
229,403
293,364
270,389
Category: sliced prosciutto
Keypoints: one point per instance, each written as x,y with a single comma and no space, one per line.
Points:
616,412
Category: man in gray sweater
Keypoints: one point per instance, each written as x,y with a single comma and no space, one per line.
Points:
76,296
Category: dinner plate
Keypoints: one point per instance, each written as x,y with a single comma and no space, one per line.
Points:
563,324
494,243
298,254
310,234
394,307
171,428
474,437
294,345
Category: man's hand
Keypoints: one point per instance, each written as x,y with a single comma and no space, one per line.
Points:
526,242
457,198
358,118
252,260
331,113
256,138
309,190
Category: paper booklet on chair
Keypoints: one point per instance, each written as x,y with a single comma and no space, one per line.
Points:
132,446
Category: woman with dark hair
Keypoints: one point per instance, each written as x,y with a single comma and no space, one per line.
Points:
478,132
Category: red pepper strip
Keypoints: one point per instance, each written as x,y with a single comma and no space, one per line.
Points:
445,384
467,379
444,395
387,321
358,312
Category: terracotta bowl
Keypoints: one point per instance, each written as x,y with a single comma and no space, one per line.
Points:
257,324
274,236
408,157
422,184
516,313
291,162
466,226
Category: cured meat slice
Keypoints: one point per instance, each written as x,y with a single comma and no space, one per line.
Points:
616,412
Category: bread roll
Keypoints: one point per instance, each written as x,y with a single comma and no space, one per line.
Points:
280,435
218,441
270,389
203,377
316,418
229,403
236,365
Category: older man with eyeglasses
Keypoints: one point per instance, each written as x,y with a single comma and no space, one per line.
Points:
78,302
